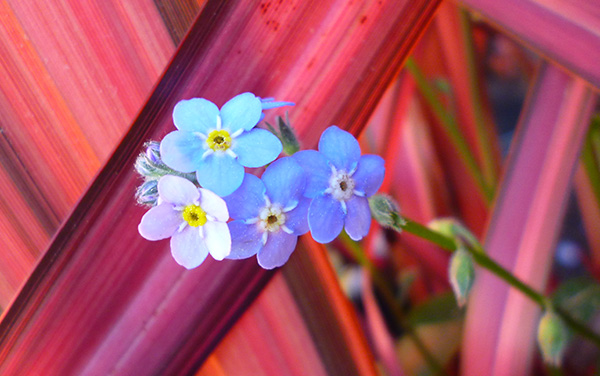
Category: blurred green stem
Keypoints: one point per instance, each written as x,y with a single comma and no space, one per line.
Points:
483,131
387,295
449,123
590,156
483,260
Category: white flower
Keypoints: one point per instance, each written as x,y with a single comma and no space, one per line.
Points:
194,218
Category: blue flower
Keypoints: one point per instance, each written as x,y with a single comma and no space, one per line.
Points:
340,180
217,145
270,214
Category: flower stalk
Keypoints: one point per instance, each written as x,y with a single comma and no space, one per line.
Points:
483,260
387,294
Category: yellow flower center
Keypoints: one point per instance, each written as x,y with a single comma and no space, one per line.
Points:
194,215
219,140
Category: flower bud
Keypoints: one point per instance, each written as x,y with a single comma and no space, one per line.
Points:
552,338
461,274
454,229
385,211
444,226
148,164
153,152
147,193
285,135
151,167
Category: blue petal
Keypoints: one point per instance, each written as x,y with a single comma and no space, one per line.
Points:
182,151
285,181
188,247
358,219
177,190
256,148
220,173
325,218
278,249
297,219
246,240
248,199
369,174
269,103
241,112
340,147
317,170
195,115
160,222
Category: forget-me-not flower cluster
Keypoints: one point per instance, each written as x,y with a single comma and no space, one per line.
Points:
321,191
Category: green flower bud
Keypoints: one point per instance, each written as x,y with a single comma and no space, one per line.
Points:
454,229
147,193
151,167
461,274
385,211
445,226
286,135
552,338
148,163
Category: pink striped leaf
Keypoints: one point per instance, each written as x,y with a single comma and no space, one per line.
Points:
121,301
501,323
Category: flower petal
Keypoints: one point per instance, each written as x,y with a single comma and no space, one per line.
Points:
182,151
358,219
297,219
218,239
213,205
256,148
248,199
278,249
369,174
246,240
241,112
188,247
195,115
269,103
340,147
285,181
177,190
325,218
317,171
160,222
220,173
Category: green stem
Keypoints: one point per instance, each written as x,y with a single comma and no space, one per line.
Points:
388,296
590,157
483,131
483,260
451,127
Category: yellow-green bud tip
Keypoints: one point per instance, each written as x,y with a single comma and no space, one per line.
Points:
385,211
461,274
552,338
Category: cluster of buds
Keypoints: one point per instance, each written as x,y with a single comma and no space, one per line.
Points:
151,168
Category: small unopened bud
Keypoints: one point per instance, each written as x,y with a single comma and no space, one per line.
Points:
151,167
147,193
153,152
286,135
444,226
385,211
454,229
462,274
552,338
